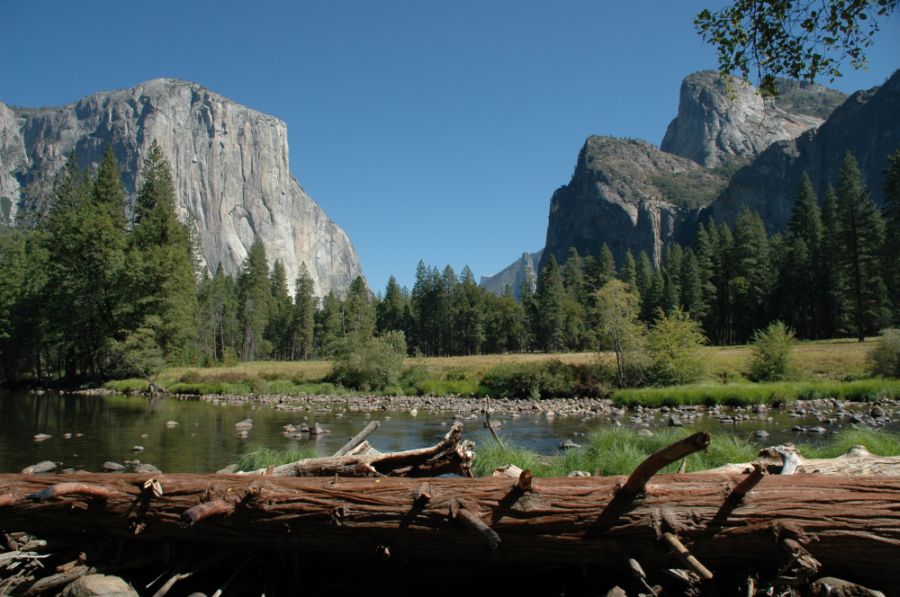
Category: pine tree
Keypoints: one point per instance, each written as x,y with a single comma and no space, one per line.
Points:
692,296
390,313
861,234
161,263
84,243
330,325
469,314
892,232
550,301
303,321
798,294
359,312
254,298
628,273
752,281
828,273
279,331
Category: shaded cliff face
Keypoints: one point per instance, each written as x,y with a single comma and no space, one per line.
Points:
628,194
229,164
525,267
714,127
867,124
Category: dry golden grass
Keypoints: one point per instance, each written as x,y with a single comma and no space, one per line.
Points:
828,359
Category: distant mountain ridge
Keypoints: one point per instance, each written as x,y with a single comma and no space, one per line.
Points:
524,268
229,163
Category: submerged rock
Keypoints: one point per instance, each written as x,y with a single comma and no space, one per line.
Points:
99,584
40,437
113,467
44,466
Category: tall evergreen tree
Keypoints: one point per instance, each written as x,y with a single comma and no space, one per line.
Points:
279,329
827,269
861,234
798,294
359,312
892,232
628,273
254,298
550,302
752,281
469,314
161,262
391,311
303,321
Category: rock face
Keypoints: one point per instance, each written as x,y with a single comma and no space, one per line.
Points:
229,164
867,124
524,268
715,126
628,194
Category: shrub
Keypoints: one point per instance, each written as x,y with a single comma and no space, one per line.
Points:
371,364
673,346
545,379
884,359
772,349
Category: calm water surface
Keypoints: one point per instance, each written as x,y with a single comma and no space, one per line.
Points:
205,438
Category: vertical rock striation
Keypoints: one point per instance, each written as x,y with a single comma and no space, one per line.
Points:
229,164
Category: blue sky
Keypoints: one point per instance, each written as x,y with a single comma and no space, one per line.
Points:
427,130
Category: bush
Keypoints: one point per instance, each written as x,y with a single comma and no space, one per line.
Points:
673,346
884,359
546,379
772,349
371,364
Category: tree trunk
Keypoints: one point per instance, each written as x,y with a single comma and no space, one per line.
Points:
849,524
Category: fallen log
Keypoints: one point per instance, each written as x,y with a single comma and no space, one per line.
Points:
849,525
451,455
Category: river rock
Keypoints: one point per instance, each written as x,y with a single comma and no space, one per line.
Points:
318,430
568,445
674,421
40,437
244,425
228,470
645,433
44,466
147,469
171,424
876,412
137,448
573,474
67,436
113,467
99,584
761,434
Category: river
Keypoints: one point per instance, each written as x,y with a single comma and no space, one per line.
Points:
86,431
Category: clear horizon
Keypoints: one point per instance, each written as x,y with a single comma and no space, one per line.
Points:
433,132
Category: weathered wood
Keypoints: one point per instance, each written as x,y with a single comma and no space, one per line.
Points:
857,461
685,555
450,456
661,459
358,438
854,521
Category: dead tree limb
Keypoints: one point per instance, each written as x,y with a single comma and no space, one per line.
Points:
450,456
358,438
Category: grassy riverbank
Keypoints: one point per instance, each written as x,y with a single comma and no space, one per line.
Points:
833,368
618,451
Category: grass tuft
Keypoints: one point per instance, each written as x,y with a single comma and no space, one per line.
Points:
258,457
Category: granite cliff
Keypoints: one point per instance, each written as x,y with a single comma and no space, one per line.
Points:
229,164
867,124
628,194
717,125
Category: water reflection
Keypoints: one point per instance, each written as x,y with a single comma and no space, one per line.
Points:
108,427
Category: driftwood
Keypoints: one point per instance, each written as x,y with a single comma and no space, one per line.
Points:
858,461
450,456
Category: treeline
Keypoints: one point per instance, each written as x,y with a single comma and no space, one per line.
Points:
91,292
